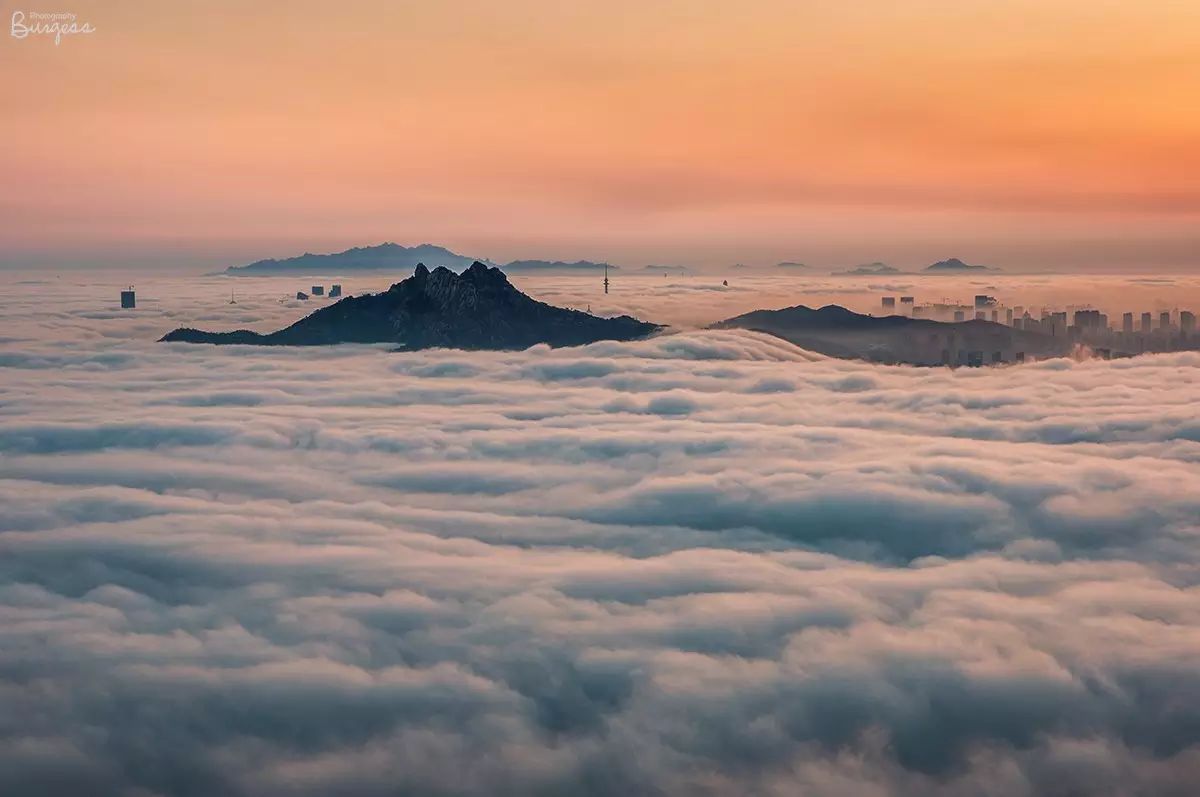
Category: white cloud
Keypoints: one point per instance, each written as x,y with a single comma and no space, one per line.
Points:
704,563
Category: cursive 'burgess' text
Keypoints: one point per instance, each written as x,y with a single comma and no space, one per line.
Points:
56,25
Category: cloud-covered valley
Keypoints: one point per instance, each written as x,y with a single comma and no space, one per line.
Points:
706,563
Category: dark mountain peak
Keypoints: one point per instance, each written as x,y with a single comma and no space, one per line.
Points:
478,271
477,309
479,286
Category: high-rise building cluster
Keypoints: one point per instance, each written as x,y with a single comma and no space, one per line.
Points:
1164,330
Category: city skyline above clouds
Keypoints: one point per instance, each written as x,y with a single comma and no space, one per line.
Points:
1036,136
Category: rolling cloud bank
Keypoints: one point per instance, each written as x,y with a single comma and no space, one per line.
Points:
706,563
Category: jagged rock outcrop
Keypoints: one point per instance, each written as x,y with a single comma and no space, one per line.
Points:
478,309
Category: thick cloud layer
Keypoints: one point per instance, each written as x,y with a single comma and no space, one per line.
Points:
708,563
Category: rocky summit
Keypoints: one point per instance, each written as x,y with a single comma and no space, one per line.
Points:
478,309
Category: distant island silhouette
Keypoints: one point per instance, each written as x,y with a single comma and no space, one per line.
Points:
384,257
954,264
394,257
869,269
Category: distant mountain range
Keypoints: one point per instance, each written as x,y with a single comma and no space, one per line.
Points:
477,309
838,332
394,257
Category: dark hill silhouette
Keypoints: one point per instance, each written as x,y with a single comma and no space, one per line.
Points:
478,309
838,332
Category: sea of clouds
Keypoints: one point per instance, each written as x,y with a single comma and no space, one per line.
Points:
708,563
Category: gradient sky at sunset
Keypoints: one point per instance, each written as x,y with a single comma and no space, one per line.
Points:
1029,135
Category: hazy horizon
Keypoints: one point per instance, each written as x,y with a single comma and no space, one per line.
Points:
192,262
1048,136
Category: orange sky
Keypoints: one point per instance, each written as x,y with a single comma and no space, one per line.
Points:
1048,134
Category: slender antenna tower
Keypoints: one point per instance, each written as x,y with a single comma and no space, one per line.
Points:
606,277
231,300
